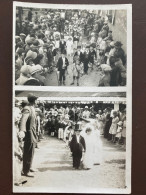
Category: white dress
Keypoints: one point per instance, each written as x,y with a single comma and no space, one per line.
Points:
97,147
88,159
69,45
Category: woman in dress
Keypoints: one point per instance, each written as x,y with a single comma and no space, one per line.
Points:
88,159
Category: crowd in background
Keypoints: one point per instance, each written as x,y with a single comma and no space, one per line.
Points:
52,40
59,121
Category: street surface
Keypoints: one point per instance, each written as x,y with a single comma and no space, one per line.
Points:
55,173
92,79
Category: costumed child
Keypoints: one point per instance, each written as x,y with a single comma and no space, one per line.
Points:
113,128
119,131
76,72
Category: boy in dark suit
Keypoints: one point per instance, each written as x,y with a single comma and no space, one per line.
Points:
77,146
62,67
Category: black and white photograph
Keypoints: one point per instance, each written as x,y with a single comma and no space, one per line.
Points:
69,144
70,46
72,98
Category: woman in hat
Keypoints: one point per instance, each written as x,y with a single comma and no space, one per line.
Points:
24,75
77,146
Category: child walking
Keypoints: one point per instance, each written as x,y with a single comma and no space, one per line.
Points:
76,72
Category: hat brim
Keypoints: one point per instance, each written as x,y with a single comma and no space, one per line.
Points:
77,130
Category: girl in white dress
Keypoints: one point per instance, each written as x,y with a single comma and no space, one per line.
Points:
69,45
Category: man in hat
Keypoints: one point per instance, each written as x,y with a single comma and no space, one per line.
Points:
62,65
77,146
120,52
92,56
28,129
86,59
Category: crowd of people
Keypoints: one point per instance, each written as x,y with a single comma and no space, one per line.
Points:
55,40
80,127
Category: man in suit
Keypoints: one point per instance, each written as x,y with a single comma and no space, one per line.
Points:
62,65
28,131
77,146
92,56
62,44
86,59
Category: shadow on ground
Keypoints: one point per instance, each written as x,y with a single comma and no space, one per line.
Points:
60,168
119,161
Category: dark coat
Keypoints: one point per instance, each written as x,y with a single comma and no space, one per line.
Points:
86,58
81,56
77,147
120,53
50,57
92,55
60,63
62,45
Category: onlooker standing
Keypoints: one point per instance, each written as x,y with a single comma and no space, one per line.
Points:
28,126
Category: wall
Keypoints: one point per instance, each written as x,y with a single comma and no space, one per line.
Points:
119,28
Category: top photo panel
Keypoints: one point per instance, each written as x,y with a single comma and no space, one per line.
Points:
82,46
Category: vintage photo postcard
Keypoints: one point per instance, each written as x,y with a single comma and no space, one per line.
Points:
72,98
71,143
71,45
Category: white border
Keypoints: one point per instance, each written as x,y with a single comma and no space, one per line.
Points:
127,89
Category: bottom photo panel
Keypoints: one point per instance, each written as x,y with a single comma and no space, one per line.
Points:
70,142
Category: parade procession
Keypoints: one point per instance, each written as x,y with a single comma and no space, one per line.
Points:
56,47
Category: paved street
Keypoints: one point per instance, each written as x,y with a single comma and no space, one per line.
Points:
92,79
55,173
